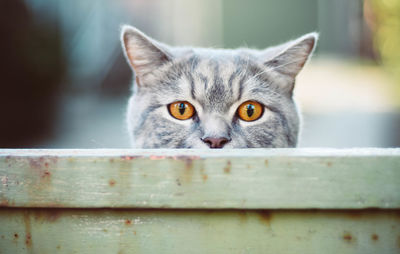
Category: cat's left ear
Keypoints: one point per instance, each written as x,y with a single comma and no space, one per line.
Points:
145,55
289,58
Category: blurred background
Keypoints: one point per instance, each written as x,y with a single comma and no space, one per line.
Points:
65,84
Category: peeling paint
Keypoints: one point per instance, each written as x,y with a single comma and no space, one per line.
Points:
157,157
127,158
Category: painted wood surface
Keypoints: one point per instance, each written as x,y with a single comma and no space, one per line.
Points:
124,231
201,179
200,201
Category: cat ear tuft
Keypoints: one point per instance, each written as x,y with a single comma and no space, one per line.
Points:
144,54
292,56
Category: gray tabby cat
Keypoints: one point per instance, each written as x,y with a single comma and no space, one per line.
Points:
213,98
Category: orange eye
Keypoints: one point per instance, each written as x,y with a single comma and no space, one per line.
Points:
181,110
250,111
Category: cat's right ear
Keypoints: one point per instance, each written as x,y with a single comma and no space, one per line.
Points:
292,55
144,54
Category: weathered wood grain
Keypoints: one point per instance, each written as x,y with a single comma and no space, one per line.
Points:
221,179
168,231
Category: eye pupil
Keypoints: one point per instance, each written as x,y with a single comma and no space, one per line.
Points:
182,108
250,110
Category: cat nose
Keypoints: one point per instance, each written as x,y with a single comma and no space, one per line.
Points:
215,142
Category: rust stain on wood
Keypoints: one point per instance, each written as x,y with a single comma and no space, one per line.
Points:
112,182
4,202
45,204
47,215
348,237
46,174
398,241
265,217
42,162
227,168
188,163
187,173
242,216
28,233
355,215
41,168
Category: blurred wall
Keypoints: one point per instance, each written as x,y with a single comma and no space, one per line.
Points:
65,81
31,73
260,23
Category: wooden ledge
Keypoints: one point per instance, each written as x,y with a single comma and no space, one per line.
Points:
201,179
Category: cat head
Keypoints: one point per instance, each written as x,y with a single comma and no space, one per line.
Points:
213,98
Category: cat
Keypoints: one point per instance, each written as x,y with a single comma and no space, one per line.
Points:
186,97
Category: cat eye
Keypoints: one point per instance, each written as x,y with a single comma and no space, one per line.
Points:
181,110
250,111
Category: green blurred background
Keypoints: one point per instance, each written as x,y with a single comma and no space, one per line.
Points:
65,83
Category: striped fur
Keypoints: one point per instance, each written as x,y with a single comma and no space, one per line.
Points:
215,82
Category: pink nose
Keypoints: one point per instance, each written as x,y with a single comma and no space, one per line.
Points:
215,142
